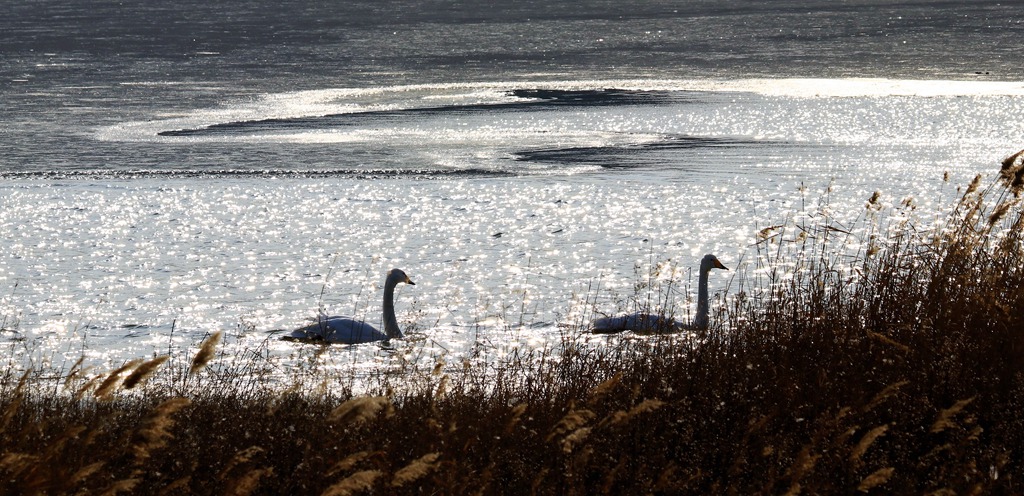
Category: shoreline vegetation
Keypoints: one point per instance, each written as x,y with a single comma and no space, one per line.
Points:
888,362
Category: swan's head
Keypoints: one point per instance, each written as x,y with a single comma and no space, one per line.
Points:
396,276
711,262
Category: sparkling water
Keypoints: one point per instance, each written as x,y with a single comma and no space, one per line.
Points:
156,189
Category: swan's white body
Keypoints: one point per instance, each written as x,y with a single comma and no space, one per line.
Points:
652,323
346,330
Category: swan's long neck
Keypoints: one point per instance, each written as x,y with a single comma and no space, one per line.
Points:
390,321
700,321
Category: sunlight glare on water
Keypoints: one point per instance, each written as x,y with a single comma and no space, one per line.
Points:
582,201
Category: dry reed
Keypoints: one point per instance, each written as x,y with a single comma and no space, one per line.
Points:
945,419
415,470
109,385
865,443
156,428
206,352
355,483
249,482
358,410
348,463
875,479
143,372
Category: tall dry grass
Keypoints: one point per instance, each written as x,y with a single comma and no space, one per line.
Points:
897,367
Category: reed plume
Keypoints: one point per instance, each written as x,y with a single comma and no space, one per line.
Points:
358,410
85,472
603,389
121,486
442,387
882,338
885,394
622,417
517,414
416,469
866,441
178,486
143,372
945,419
804,463
109,385
87,386
16,398
1001,211
249,482
206,352
572,420
357,482
155,429
348,463
1011,163
538,480
1012,172
873,202
240,458
768,232
574,438
875,479
667,478
973,186
1017,184
74,371
16,463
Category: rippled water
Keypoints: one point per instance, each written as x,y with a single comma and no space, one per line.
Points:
143,206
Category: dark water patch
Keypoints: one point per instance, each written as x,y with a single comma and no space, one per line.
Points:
529,100
597,97
633,155
134,327
240,128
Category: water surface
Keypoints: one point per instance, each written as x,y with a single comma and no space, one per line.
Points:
170,171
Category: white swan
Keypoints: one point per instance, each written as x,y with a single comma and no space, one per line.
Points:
350,331
652,323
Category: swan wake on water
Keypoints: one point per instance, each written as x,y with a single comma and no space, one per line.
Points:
345,330
648,323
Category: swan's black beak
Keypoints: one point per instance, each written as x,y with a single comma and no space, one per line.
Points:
718,265
409,282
